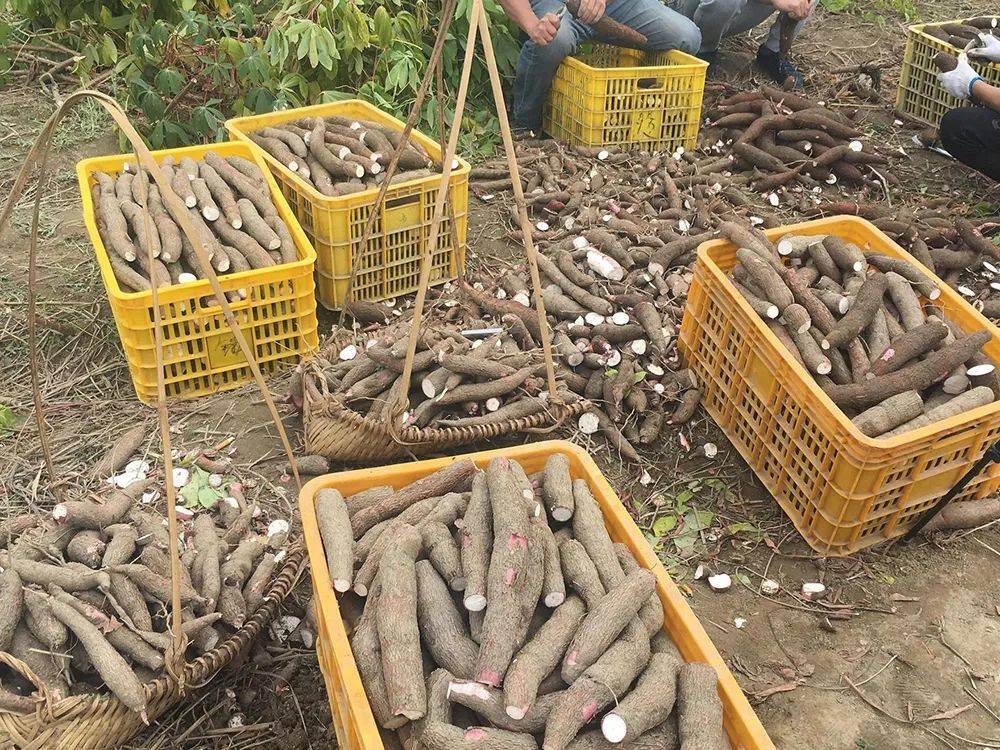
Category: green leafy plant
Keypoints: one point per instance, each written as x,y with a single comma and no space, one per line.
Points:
184,66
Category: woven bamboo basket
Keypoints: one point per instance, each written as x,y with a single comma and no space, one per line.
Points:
102,722
341,434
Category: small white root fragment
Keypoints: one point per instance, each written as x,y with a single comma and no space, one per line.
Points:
720,582
588,423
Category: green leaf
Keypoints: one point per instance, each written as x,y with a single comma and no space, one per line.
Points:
168,80
110,49
683,497
208,497
152,105
698,520
382,25
739,528
664,525
639,376
6,417
685,542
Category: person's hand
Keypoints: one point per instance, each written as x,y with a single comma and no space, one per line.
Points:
797,9
591,11
988,49
958,82
544,29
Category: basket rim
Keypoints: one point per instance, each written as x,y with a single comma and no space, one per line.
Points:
237,126
330,406
200,287
203,668
805,380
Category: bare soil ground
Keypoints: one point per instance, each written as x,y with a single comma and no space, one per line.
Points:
904,653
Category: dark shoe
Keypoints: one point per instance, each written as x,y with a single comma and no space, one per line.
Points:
712,58
777,67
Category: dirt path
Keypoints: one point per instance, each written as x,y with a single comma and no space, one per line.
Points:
915,629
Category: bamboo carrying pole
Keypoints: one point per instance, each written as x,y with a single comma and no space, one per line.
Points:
478,25
36,160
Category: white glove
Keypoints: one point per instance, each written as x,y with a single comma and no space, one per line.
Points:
958,82
989,48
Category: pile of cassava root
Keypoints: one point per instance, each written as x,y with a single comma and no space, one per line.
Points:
540,631
457,380
86,590
612,343
340,155
786,138
228,202
865,325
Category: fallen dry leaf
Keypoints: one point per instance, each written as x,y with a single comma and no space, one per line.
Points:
951,713
785,687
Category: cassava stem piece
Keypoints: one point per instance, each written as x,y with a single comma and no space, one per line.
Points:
540,656
557,488
580,572
439,736
936,366
507,571
441,626
477,540
589,529
605,621
699,709
118,454
488,703
647,705
866,304
455,477
398,633
443,552
338,540
596,689
894,411
368,657
979,396
114,670
908,346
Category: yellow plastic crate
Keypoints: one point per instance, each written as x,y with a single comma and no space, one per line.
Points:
390,264
920,95
200,354
352,717
843,490
613,96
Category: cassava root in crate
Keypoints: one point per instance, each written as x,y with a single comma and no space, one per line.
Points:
340,156
900,363
535,675
227,201
91,580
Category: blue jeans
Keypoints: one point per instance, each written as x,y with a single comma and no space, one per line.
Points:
536,68
719,18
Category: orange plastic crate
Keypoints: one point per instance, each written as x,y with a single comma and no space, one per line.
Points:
352,717
200,353
390,262
920,95
843,490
